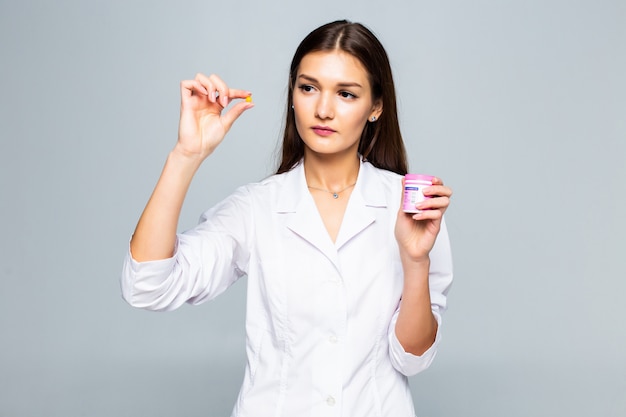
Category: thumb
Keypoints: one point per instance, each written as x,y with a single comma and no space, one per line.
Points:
402,198
234,112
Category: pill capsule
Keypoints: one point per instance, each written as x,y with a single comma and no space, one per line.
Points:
249,99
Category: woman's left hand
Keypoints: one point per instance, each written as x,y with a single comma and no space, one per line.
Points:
416,233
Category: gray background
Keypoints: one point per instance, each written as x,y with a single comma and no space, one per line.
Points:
519,105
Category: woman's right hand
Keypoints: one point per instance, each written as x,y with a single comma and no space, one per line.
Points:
202,125
202,128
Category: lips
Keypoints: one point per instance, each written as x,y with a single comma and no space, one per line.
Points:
323,130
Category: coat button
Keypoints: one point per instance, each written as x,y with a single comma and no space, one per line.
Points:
330,400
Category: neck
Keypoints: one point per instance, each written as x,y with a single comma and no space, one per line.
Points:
331,173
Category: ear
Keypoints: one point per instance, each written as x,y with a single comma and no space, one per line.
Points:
377,110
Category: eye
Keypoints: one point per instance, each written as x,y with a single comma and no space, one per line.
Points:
347,94
306,88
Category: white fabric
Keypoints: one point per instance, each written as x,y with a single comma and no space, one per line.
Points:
320,315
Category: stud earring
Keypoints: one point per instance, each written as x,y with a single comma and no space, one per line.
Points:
292,107
373,118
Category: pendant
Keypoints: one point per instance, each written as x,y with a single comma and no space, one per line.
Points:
335,195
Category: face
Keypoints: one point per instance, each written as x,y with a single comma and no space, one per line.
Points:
332,101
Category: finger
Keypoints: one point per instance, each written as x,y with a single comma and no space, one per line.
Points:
221,89
437,181
233,114
209,84
227,95
188,87
232,94
436,203
235,93
428,215
217,90
437,190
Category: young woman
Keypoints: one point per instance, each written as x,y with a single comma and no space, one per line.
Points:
345,290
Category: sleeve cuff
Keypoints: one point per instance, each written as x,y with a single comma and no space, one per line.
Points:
139,277
408,363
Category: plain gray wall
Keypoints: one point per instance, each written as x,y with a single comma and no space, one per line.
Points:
519,105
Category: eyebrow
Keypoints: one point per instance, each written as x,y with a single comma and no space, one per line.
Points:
341,84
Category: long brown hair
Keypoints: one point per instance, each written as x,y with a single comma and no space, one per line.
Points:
381,141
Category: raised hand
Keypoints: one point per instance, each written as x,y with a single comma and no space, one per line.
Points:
202,128
202,125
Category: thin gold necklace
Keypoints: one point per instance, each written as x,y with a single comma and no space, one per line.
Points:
334,193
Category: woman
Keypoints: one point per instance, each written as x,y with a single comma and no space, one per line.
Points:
345,290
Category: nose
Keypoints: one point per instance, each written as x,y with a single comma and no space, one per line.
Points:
324,108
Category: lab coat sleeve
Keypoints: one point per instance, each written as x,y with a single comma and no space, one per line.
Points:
440,280
207,260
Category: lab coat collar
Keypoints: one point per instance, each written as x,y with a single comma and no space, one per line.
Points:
304,219
368,186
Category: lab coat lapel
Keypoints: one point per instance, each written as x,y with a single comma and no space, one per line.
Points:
356,218
367,196
303,218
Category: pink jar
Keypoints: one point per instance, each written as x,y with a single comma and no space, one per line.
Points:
413,185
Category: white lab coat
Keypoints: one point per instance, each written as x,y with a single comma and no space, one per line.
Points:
320,315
